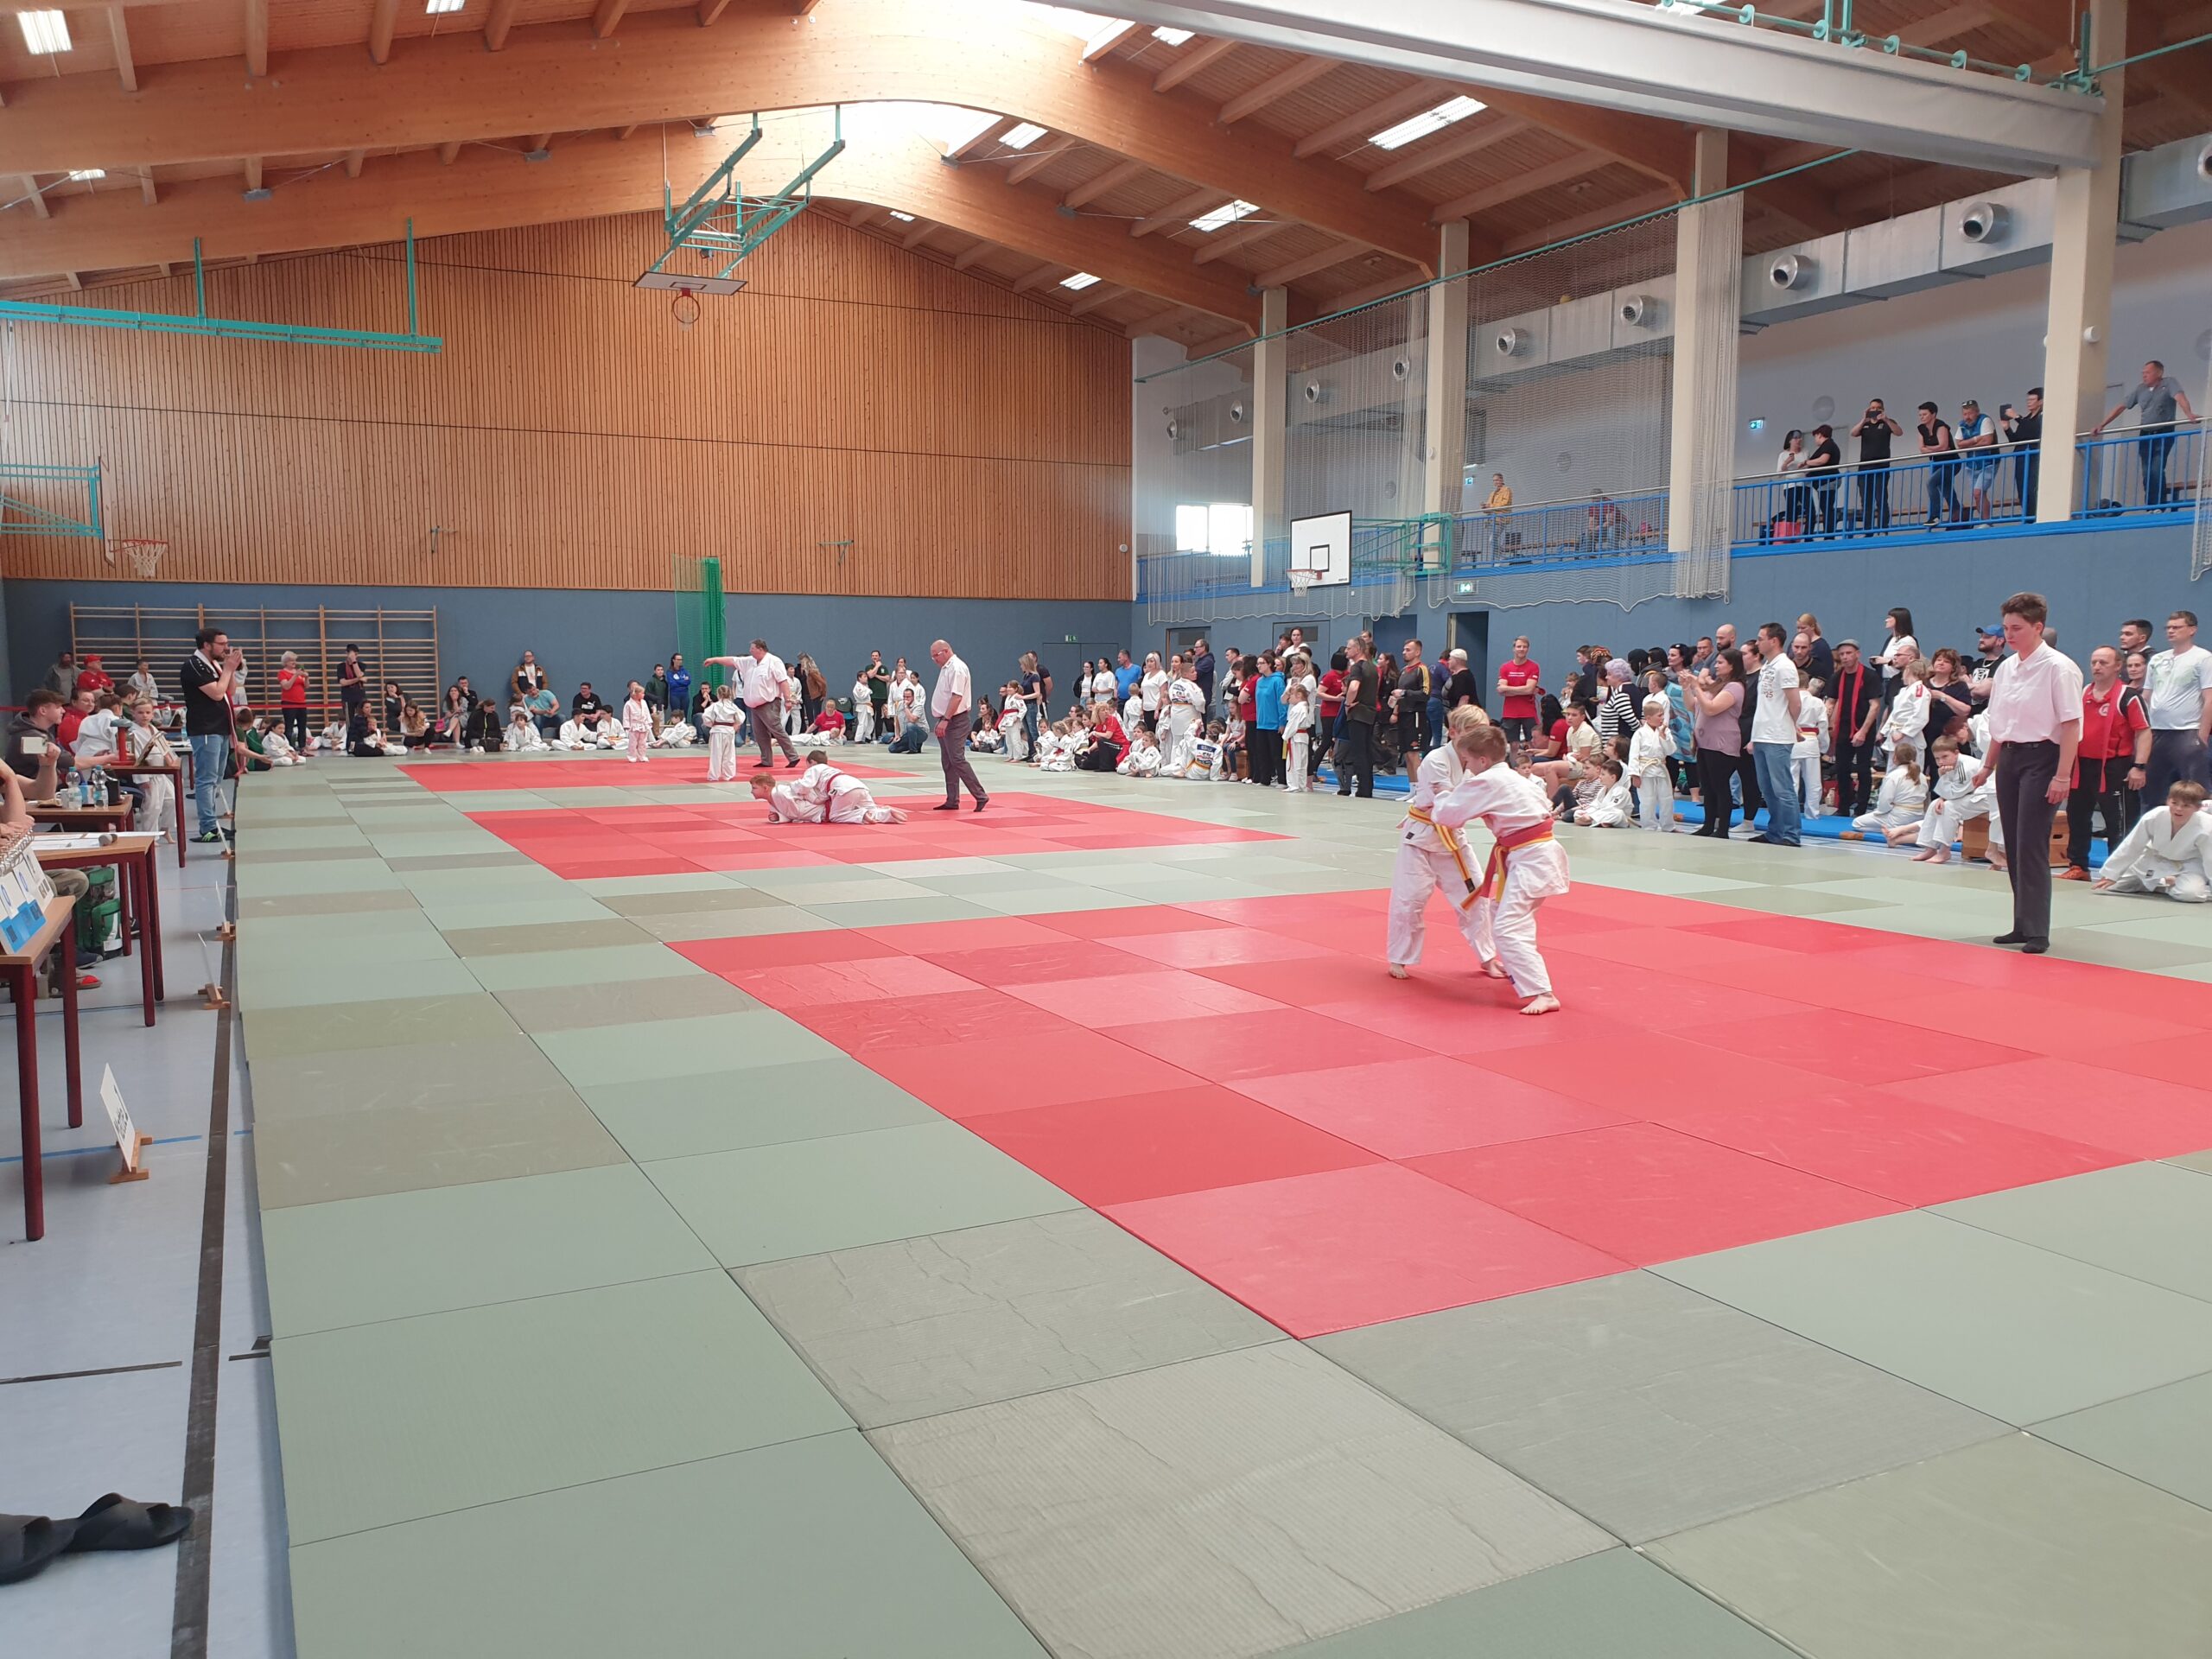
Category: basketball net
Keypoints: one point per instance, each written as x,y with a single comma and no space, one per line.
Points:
1301,582
141,555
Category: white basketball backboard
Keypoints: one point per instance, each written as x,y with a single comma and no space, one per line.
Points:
690,281
1322,544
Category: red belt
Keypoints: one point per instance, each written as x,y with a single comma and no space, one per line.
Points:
1509,841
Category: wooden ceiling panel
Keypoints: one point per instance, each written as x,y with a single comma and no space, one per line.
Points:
1347,88
1499,163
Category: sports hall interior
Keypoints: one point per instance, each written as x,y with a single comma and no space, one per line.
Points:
562,1207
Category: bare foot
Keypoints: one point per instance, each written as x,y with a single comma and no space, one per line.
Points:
1545,1004
1491,970
1398,972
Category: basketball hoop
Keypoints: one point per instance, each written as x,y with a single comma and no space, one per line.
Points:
142,555
1301,579
685,308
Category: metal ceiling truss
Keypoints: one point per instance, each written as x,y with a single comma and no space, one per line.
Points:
719,217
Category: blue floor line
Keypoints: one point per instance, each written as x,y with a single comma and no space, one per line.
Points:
78,1152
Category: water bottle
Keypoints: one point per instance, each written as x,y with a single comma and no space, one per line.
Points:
73,794
100,786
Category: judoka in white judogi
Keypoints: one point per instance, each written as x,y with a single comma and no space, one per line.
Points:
1430,859
2163,857
1526,867
722,717
822,793
1903,800
1297,746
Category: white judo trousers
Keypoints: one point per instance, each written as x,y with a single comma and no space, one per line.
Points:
1424,866
1509,804
721,754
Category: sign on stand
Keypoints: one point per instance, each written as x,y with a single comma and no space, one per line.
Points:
128,1141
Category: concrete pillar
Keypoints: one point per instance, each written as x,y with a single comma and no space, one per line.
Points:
2085,226
1270,426
1701,434
1445,448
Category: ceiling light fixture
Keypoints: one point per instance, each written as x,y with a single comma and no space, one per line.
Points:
86,174
1022,136
440,8
45,32
1081,279
1171,36
1428,121
1228,213
904,218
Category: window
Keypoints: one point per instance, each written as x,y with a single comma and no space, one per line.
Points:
45,32
1428,121
1222,528
1227,213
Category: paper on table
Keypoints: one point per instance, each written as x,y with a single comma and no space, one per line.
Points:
81,843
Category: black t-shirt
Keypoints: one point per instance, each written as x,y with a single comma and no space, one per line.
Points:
585,702
1874,440
354,692
1825,457
1360,690
2024,428
1460,688
204,716
1938,434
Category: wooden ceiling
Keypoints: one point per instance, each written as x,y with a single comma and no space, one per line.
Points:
1165,132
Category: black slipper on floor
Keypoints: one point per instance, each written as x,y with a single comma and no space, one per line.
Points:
118,1522
27,1542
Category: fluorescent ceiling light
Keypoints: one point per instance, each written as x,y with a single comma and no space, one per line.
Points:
904,218
1022,136
1171,36
1080,280
86,174
1227,213
439,8
45,32
1428,121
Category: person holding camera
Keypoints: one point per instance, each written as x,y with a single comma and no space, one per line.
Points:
1874,431
2023,432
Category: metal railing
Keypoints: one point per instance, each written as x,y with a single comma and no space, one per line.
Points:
1590,528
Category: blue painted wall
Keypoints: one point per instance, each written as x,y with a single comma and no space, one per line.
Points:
2094,577
607,636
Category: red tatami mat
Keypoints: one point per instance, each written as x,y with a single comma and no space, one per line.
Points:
687,766
670,840
1240,1084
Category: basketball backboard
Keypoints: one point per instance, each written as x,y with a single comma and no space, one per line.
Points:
1322,546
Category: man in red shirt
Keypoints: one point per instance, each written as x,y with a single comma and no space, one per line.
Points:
1517,684
73,717
2116,747
92,677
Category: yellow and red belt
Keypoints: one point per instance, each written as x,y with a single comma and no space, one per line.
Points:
1509,841
1453,846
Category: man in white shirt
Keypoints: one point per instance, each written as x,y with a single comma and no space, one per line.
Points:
2178,696
952,708
2035,727
763,684
1774,733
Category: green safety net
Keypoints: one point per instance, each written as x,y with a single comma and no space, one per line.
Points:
699,614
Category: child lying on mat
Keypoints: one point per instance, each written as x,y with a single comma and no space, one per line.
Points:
820,794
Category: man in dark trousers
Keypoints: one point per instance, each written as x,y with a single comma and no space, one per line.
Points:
1355,763
1854,715
2034,728
952,710
1747,771
1202,670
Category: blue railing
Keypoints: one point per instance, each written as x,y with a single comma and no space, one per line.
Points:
2126,474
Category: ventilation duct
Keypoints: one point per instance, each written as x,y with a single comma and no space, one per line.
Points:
1985,222
1316,392
1512,342
1637,311
1791,270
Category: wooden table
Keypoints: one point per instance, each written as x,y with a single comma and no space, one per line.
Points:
133,854
85,818
177,775
20,970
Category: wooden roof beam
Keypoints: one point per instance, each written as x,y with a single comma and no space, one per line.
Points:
710,10
1658,149
1426,157
1229,239
1306,265
1176,213
1107,39
606,15
917,233
1103,183
1578,165
35,199
1375,117
1275,88
252,170
497,22
328,101
1800,200
353,159
1097,294
126,68
256,36
1039,156
974,252
1157,323
1190,57
1036,276
147,191
383,19
590,176
1597,220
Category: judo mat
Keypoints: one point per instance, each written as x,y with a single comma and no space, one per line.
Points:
1050,1231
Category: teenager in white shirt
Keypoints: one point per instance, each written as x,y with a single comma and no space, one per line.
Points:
2178,696
1152,689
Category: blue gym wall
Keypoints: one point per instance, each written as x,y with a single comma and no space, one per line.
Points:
607,636
2094,576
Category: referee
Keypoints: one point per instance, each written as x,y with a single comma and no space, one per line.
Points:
2035,726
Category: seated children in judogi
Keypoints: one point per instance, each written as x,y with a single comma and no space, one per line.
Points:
1608,805
1900,805
1430,858
1650,746
676,735
1526,865
1203,750
1957,794
722,717
1058,743
2168,852
1101,748
1143,760
575,733
823,794
1297,740
521,732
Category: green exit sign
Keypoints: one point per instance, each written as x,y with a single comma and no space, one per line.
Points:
1462,588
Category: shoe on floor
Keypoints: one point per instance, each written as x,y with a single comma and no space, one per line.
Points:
2074,872
209,837
981,804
